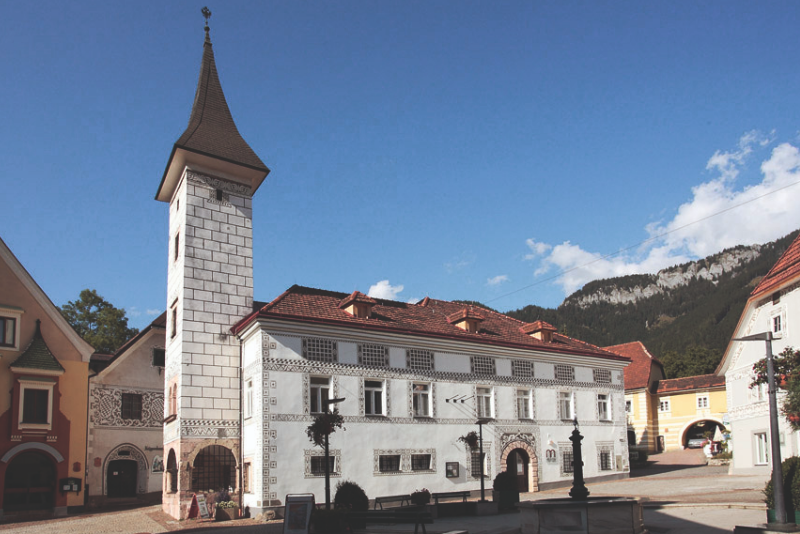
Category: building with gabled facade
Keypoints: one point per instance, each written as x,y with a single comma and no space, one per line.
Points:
244,381
642,377
773,306
125,462
45,367
690,407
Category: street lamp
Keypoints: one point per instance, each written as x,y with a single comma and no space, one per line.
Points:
326,404
480,424
777,469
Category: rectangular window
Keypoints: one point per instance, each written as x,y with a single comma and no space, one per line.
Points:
702,402
389,463
248,398
565,373
524,410
176,245
246,475
317,465
373,355
419,360
373,397
776,325
605,461
421,400
36,406
159,357
484,400
320,350
602,376
565,406
420,462
319,391
663,405
8,331
603,412
628,406
762,448
173,321
476,464
566,461
131,406
482,365
521,369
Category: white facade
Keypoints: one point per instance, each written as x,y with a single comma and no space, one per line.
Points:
276,450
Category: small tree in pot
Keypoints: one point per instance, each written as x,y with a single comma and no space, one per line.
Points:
791,490
471,440
350,497
506,490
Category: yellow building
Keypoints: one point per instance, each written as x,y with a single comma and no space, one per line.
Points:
44,367
689,408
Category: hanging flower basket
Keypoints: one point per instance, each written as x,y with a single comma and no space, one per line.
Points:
324,425
471,440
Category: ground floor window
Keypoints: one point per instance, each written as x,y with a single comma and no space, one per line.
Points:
605,461
214,469
761,448
172,472
389,463
566,461
420,462
476,465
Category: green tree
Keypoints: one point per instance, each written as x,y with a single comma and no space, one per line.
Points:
690,362
787,377
97,321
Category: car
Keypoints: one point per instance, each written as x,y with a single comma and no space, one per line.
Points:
696,443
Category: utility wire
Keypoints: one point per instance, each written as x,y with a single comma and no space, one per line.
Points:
648,240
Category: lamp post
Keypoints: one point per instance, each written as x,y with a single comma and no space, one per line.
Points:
327,403
777,468
480,424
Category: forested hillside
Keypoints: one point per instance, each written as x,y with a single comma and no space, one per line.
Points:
684,315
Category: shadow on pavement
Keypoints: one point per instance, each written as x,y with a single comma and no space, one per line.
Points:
654,468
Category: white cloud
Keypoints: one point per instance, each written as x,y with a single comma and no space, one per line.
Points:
133,311
717,216
153,311
460,262
384,290
497,280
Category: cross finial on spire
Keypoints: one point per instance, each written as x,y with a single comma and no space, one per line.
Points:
207,14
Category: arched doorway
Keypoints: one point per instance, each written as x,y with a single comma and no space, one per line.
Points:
696,432
517,462
214,469
121,478
30,483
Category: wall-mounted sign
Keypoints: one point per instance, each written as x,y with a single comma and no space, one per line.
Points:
451,469
551,456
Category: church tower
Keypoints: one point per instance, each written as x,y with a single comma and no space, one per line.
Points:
209,181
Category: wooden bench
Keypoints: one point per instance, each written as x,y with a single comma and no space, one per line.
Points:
390,517
450,495
402,499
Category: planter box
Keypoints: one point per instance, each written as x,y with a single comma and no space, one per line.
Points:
226,514
791,515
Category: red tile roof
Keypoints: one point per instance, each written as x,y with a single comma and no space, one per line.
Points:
785,269
691,382
427,318
637,374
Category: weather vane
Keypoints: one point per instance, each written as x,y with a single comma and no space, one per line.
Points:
207,14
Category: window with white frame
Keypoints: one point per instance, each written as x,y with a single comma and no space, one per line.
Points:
483,398
603,407
605,459
36,403
248,398
9,327
373,397
566,406
421,399
319,393
663,405
565,373
319,349
777,327
316,465
702,402
524,404
761,448
521,369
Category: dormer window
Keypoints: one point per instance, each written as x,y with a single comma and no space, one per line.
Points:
9,327
467,319
358,305
539,330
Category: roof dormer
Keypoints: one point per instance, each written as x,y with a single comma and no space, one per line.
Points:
358,305
539,330
466,319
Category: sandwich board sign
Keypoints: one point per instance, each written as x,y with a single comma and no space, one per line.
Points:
297,513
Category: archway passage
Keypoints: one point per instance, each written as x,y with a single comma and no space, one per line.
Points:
522,449
121,478
30,483
517,463
698,432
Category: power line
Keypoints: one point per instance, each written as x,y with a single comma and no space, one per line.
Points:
648,240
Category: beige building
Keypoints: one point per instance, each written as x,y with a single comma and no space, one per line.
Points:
690,407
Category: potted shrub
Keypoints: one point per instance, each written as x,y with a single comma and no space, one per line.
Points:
226,510
471,440
506,490
351,497
791,491
421,497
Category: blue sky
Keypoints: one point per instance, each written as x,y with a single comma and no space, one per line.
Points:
461,150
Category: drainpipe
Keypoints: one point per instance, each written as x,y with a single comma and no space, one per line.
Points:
86,450
241,424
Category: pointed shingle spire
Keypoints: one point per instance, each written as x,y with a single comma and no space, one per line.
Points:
37,356
211,133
